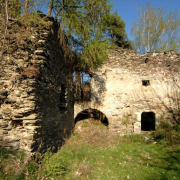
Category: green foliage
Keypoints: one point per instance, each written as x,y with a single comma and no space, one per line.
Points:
166,134
34,20
14,8
94,54
156,29
53,165
13,167
115,31
82,21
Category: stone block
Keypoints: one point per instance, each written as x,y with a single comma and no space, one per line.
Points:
137,127
11,100
28,137
39,52
11,138
13,146
3,92
3,97
31,122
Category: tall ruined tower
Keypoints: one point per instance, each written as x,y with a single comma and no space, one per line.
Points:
36,86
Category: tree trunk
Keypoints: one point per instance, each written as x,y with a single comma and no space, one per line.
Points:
50,7
26,6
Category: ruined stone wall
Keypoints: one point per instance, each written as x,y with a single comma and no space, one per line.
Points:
36,85
128,84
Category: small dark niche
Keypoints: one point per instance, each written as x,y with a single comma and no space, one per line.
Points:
17,123
145,60
63,98
145,82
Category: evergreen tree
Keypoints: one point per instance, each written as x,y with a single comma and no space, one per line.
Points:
82,22
115,31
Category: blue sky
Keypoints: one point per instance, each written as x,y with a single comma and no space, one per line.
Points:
127,9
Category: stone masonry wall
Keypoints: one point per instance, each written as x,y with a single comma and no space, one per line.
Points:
120,89
36,83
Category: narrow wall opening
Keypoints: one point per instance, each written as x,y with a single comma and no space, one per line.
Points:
63,98
82,86
148,121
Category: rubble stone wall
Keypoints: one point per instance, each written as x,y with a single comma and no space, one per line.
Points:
37,108
128,84
36,83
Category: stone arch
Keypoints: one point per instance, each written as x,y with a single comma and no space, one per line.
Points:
148,121
92,113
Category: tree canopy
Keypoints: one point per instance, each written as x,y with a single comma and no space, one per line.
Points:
82,23
156,29
115,31
87,24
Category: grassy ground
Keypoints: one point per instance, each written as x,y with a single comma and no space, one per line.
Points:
93,153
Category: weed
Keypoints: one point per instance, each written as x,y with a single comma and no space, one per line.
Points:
53,166
15,165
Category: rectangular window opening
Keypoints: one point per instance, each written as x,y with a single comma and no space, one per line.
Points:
82,86
145,82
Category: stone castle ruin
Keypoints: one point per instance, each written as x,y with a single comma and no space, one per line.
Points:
135,92
129,93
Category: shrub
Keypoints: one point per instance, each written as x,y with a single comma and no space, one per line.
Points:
166,134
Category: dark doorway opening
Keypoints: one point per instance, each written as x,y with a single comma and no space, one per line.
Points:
147,121
92,114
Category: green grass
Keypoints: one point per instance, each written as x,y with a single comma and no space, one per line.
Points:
136,161
95,154
109,157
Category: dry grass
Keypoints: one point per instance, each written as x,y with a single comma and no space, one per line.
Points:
92,131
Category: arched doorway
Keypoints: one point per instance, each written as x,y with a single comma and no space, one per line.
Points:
92,114
147,121
91,126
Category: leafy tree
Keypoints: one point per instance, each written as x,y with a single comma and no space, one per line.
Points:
156,29
115,31
82,22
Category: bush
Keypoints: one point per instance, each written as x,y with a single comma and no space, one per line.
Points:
166,134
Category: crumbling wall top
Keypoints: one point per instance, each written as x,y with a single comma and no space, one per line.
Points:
149,63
